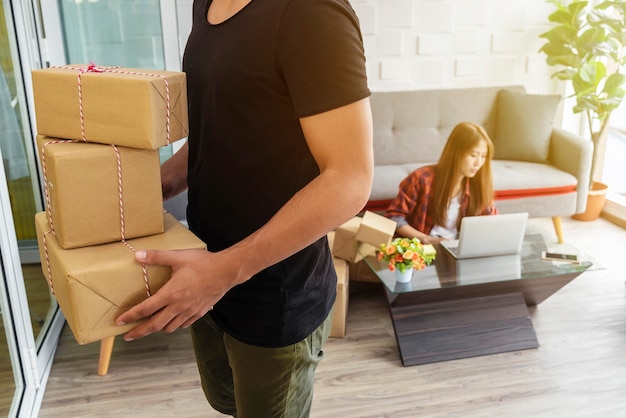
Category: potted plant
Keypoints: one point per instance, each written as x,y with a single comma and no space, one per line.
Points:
403,255
588,45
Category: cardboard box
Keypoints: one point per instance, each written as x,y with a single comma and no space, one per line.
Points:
375,229
340,309
122,106
94,285
362,272
83,190
345,245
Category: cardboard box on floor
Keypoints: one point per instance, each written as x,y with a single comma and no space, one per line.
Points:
94,285
344,244
83,189
340,309
361,272
125,105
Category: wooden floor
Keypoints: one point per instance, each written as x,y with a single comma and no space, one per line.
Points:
579,370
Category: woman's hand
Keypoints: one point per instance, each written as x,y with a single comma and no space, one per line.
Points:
409,232
432,240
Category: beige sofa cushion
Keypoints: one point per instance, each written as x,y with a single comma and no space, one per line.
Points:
523,125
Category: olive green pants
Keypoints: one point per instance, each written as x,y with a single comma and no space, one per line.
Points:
247,381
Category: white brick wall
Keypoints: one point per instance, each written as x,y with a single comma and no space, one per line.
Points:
420,44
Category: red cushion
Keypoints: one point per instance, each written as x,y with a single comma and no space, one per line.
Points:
523,193
377,205
381,205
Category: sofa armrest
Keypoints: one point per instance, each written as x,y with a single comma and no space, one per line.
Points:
572,153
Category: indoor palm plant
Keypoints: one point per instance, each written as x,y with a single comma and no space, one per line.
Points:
587,44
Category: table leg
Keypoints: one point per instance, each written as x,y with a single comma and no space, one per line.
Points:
439,331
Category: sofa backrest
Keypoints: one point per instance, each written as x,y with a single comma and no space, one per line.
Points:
413,126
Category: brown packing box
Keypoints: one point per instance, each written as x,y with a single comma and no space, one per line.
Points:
362,272
83,189
94,285
340,309
345,245
128,109
375,229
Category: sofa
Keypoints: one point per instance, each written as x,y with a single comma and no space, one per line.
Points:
537,168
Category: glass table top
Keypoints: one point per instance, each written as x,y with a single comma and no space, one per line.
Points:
446,271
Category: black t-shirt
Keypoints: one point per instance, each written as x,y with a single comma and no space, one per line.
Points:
249,80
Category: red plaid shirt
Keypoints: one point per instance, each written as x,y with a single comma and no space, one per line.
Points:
414,196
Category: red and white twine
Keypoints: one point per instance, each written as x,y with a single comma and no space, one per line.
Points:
92,68
122,224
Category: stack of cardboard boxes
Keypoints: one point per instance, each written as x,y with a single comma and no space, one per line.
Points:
350,244
99,131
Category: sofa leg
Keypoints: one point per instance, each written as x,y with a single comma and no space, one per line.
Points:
556,220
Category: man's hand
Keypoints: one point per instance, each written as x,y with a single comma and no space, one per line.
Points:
199,280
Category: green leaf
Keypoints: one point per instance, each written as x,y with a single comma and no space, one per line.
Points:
592,41
592,73
613,86
600,16
566,34
577,8
564,60
579,108
561,16
610,104
581,88
556,47
619,37
566,74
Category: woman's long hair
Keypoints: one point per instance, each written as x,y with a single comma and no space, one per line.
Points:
464,137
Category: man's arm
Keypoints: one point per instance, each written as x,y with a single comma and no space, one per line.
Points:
174,173
341,143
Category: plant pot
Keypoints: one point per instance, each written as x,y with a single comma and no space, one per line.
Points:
596,196
405,276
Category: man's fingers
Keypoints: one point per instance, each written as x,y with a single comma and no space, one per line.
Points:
154,324
164,320
170,258
143,310
161,258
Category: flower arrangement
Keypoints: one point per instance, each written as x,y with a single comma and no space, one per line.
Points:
406,253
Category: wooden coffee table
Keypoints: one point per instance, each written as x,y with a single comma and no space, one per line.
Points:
465,308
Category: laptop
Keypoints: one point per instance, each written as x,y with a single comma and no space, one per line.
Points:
489,235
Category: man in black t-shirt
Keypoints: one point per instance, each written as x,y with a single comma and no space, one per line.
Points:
279,153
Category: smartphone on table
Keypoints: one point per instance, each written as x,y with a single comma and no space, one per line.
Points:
553,256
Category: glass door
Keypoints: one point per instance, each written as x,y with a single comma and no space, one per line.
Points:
14,361
36,34
31,321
